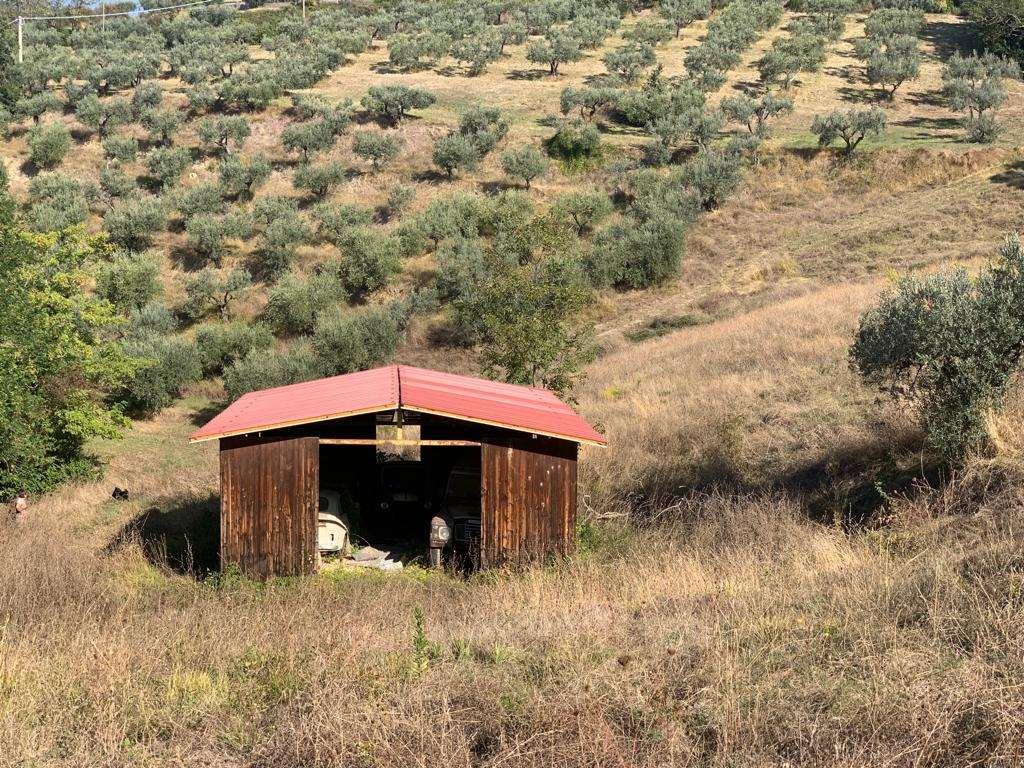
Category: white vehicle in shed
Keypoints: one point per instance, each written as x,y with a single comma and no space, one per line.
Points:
332,532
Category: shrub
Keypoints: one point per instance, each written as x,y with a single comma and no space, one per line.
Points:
391,103
319,179
478,50
123,148
356,341
167,165
369,260
682,13
169,364
221,344
281,239
48,144
240,177
851,127
379,148
575,139
37,105
129,281
651,32
948,345
462,267
294,304
801,51
261,370
208,232
455,152
525,163
156,318
755,114
132,223
146,97
892,62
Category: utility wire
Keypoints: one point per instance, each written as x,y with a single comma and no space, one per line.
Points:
140,12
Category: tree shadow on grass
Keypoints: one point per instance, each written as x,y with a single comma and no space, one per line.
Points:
1012,175
181,534
527,74
949,37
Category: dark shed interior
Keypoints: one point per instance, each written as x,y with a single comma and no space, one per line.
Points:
507,495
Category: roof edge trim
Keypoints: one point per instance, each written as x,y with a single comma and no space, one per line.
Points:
296,423
510,427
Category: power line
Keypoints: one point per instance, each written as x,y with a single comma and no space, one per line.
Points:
139,12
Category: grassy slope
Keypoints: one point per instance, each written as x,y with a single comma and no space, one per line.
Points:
735,633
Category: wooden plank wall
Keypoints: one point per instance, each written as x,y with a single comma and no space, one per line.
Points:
528,499
269,496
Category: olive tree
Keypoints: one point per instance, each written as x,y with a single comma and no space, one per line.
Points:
851,127
754,113
455,152
629,60
213,291
974,84
102,116
948,345
378,147
524,163
307,139
168,164
558,47
682,13
218,133
240,176
48,144
128,281
162,124
319,179
390,104
132,223
583,209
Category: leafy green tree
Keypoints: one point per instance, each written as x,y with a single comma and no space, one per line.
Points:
202,198
851,127
282,235
128,281
399,198
799,52
629,60
584,209
378,147
682,13
484,126
147,97
48,145
208,233
56,359
557,48
390,104
886,23
999,24
948,345
58,202
713,175
261,370
587,100
455,152
524,163
240,176
219,132
168,164
637,254
102,116
11,79
115,183
974,84
531,327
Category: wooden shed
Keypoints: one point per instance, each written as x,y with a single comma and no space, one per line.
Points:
399,444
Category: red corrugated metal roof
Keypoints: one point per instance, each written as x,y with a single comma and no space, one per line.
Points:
525,409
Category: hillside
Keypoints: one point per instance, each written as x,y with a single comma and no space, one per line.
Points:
773,569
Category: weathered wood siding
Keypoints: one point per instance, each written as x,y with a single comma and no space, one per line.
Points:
528,493
269,491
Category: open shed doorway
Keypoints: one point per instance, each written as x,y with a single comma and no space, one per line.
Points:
388,503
